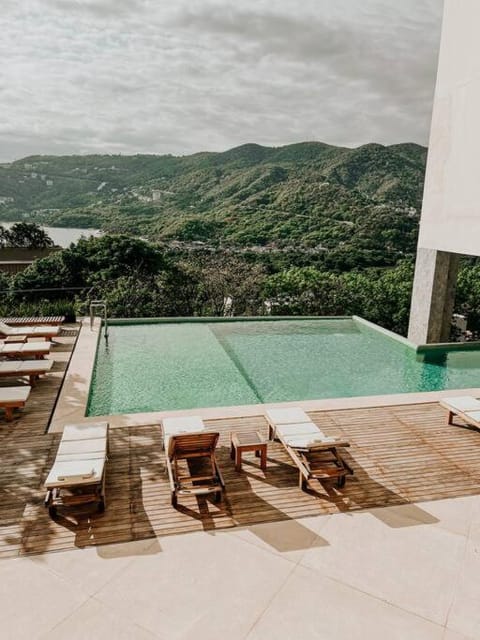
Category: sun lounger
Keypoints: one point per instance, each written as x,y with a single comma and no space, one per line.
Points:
36,350
77,476
315,454
466,407
19,368
178,426
41,331
13,398
192,466
34,320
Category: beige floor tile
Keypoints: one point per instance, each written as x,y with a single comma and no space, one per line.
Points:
413,567
216,586
289,538
455,514
91,568
464,615
453,635
33,600
312,607
94,621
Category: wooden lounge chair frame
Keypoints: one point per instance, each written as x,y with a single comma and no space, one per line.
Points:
189,447
16,350
33,320
466,416
10,405
321,462
47,333
80,494
87,494
33,373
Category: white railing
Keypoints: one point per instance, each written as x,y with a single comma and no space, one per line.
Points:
99,307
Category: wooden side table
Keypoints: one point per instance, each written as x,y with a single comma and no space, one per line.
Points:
252,441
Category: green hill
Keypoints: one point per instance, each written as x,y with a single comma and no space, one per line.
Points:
309,195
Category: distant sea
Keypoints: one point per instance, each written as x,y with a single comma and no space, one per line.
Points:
63,236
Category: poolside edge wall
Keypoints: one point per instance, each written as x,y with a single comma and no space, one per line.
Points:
200,319
73,398
386,332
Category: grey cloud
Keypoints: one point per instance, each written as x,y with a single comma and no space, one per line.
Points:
99,8
191,76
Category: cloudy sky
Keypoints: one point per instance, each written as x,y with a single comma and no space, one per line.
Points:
151,76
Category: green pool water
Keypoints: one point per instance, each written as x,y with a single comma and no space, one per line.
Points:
184,365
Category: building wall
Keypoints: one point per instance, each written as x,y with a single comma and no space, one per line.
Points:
450,218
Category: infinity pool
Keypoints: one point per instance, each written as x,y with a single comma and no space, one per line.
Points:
184,365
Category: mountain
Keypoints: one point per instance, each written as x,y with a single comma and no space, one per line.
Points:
308,194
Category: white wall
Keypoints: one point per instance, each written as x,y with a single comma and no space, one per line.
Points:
450,218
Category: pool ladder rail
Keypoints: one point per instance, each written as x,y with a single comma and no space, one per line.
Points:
99,307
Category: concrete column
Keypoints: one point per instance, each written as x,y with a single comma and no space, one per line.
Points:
433,296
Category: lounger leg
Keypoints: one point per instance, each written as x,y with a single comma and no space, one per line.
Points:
450,417
302,483
238,460
263,459
8,414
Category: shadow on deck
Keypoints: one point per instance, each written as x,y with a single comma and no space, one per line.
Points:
401,455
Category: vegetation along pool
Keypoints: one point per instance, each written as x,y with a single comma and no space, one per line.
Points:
184,365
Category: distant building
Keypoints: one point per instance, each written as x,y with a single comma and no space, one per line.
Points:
49,183
16,259
156,195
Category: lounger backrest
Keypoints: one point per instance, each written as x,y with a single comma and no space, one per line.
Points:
4,328
192,444
287,415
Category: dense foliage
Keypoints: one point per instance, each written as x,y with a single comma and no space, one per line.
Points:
301,229
139,279
353,207
25,235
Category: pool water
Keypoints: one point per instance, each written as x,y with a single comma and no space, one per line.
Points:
185,365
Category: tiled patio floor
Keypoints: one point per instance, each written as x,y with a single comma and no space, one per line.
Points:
394,554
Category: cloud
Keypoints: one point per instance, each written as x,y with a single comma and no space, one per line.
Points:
146,76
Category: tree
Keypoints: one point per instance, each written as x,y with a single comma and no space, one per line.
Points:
220,276
28,235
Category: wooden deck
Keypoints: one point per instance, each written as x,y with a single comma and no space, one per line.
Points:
400,454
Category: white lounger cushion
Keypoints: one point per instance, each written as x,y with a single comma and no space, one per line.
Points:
176,426
27,347
14,394
299,428
308,441
94,446
302,435
7,330
287,416
474,416
461,403
71,472
22,366
81,455
85,431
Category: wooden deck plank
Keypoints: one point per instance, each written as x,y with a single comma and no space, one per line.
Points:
400,454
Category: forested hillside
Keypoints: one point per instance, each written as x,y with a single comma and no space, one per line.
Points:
353,206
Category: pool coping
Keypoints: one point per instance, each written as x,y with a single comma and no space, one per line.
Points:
73,398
